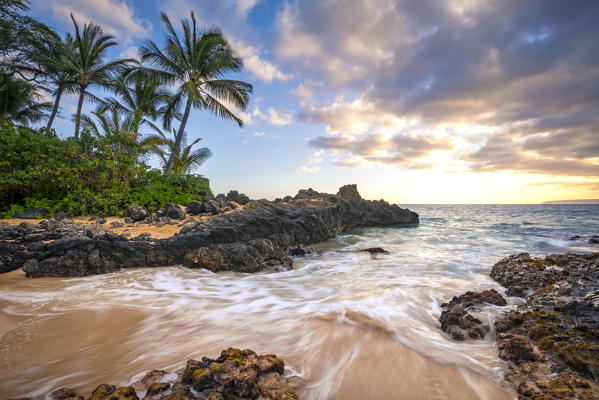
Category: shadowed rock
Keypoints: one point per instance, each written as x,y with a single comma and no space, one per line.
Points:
245,240
456,319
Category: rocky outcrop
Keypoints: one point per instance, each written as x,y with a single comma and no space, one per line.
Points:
456,319
236,374
247,239
552,340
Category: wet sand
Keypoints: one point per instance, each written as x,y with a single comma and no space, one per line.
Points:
57,343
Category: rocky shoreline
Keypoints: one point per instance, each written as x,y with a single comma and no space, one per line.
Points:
551,342
235,374
245,238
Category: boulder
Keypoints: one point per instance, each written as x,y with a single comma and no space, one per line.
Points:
137,212
32,213
173,211
195,208
61,215
237,197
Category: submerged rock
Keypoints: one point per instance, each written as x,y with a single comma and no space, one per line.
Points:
244,240
456,319
374,250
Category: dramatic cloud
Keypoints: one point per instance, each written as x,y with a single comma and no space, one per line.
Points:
525,73
115,17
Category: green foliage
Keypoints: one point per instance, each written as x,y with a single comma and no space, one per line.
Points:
90,175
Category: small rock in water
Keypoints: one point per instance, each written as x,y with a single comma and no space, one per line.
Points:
374,250
458,322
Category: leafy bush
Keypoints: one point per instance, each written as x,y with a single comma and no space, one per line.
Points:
89,175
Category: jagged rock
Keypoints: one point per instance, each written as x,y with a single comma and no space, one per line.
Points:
349,192
212,206
174,211
61,215
32,213
458,322
137,212
241,241
116,224
101,221
551,340
237,197
128,220
195,208
239,374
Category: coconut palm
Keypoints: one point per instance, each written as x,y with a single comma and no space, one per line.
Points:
184,160
196,65
88,63
144,98
19,101
49,54
108,122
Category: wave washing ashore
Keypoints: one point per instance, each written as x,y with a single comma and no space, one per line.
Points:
348,324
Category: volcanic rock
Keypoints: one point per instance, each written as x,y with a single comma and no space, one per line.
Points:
137,212
456,319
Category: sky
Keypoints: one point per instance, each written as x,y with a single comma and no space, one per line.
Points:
421,101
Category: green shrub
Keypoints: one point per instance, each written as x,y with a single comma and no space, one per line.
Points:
89,175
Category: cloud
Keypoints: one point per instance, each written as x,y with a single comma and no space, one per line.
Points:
400,149
264,135
524,74
308,170
279,117
260,68
114,16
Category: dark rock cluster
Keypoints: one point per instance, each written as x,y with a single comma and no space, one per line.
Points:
552,340
256,235
456,319
235,375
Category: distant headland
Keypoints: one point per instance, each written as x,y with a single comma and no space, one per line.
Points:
586,201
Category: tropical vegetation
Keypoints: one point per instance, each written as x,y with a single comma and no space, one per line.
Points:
103,167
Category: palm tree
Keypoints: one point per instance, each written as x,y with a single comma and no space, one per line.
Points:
144,99
196,65
184,160
108,122
19,101
49,54
88,63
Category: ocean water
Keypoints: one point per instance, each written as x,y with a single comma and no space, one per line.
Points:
351,324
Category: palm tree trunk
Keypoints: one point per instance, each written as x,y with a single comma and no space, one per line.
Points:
59,91
78,115
177,149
